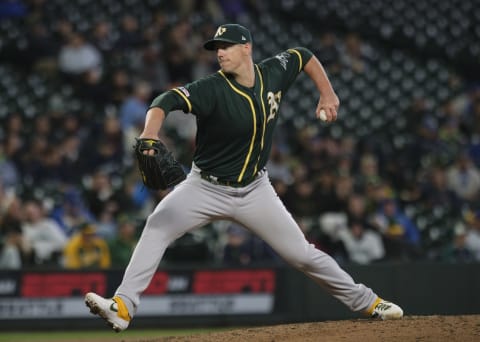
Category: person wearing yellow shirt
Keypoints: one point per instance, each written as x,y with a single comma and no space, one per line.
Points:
86,250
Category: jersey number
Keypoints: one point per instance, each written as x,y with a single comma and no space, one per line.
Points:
274,103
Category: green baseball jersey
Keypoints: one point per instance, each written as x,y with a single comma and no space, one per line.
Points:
235,123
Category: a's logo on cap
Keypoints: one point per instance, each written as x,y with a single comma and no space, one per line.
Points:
243,38
221,30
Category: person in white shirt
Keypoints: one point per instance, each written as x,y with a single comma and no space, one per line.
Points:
463,178
44,234
11,249
79,56
362,245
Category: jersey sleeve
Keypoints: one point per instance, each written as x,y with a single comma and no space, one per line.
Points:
302,55
290,63
195,98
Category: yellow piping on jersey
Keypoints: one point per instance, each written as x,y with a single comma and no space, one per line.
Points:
239,179
300,65
264,115
189,104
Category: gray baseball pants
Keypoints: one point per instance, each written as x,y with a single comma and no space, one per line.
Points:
196,202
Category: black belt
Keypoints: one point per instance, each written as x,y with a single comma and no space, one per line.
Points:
235,184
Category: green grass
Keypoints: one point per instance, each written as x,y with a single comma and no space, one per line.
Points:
107,336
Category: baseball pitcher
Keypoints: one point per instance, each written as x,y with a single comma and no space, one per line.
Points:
236,110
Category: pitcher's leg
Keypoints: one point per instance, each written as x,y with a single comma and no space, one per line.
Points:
265,215
173,217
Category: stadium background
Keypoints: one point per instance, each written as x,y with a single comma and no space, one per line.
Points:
408,131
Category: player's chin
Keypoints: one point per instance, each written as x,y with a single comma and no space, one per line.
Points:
224,67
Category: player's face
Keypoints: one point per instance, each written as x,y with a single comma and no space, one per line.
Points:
230,56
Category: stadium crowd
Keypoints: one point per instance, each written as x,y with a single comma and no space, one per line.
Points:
71,196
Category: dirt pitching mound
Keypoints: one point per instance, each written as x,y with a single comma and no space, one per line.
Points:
463,328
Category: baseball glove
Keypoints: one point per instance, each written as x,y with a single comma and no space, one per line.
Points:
160,170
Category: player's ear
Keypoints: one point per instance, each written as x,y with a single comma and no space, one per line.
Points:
247,48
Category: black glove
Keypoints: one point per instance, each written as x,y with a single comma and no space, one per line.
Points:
160,170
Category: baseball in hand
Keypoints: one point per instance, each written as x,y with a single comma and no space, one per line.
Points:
322,115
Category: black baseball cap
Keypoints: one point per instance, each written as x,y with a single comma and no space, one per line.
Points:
229,33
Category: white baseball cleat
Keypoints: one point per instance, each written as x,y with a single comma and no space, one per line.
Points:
385,310
112,310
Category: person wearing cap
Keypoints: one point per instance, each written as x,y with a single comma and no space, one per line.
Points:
86,250
236,110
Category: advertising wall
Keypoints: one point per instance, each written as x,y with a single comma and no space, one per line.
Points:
213,297
31,295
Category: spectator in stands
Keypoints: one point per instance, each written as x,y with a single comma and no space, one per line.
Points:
106,149
180,32
32,157
70,211
401,236
368,173
356,55
362,245
92,88
326,195
153,69
72,163
357,207
44,234
132,197
50,168
328,51
133,109
375,194
435,191
472,238
334,224
424,122
242,248
105,202
319,151
100,195
42,126
15,250
103,38
470,124
130,36
107,225
14,123
85,250
9,175
301,199
12,147
344,187
72,125
11,241
471,119
278,165
63,30
78,56
450,136
463,177
120,86
204,64
457,250
347,147
179,66
122,245
42,50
